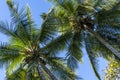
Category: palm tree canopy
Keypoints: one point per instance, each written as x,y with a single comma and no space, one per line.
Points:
93,24
31,53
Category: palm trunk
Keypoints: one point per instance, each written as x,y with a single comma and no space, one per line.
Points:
107,45
48,72
40,72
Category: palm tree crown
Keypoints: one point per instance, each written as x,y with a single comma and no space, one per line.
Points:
31,53
93,24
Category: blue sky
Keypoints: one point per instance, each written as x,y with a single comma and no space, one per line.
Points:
37,8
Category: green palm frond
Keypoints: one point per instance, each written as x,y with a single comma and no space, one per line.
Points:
62,71
105,17
17,43
31,71
74,50
112,70
49,28
72,62
92,57
31,23
29,17
112,30
19,74
59,44
6,49
67,5
7,29
101,49
94,3
107,4
10,56
110,34
21,22
15,62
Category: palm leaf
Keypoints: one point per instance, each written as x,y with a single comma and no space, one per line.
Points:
31,22
7,29
19,74
49,28
20,21
59,44
92,57
59,69
15,62
100,49
105,17
9,55
110,34
74,52
32,73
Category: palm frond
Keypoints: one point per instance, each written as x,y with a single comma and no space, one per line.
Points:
105,17
19,74
92,57
17,43
72,62
7,29
20,21
49,28
101,49
15,62
32,71
59,44
7,54
110,34
74,50
31,22
62,71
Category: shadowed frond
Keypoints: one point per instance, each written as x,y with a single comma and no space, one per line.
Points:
21,21
110,34
19,74
49,28
15,62
106,17
60,43
62,71
32,72
7,29
100,49
7,54
74,50
92,56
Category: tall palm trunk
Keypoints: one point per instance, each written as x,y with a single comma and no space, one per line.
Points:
40,72
107,45
48,72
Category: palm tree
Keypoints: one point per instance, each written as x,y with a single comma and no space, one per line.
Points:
93,24
112,71
31,53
